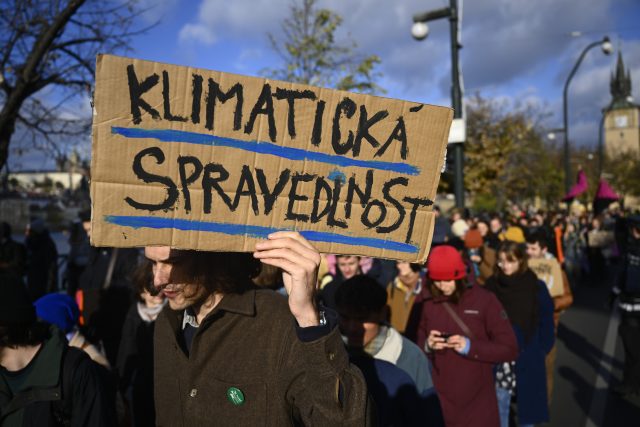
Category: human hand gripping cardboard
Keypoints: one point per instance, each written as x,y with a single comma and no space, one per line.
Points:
299,262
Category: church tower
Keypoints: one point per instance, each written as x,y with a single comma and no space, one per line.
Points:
622,116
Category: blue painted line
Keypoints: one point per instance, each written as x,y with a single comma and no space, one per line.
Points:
336,174
261,147
253,231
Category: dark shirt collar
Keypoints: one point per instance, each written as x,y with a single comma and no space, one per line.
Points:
239,303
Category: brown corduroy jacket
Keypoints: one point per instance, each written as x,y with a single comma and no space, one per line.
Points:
249,343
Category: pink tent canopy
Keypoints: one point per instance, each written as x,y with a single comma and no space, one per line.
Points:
579,188
604,197
605,191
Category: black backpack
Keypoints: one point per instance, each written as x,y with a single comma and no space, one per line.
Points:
53,403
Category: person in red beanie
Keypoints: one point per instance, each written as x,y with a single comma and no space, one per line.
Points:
465,331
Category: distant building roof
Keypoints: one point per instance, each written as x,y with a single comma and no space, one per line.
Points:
620,86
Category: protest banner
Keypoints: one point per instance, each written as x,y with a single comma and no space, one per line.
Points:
206,160
550,272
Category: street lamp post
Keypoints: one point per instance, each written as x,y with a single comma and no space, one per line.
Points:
420,32
601,145
607,48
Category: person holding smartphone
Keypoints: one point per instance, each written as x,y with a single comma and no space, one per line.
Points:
465,331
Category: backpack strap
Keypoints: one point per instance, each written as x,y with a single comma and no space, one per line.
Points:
63,407
458,320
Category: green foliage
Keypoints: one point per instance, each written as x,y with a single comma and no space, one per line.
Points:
506,157
623,172
485,202
311,54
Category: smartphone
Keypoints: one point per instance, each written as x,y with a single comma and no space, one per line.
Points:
445,335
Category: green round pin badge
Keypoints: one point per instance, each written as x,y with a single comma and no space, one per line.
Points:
235,396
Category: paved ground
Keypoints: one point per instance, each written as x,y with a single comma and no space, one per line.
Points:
589,362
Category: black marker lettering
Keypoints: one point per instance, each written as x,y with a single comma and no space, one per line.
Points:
208,183
291,96
246,178
321,187
215,93
331,219
264,105
399,133
136,89
270,197
416,202
363,129
197,170
386,192
349,108
365,215
316,134
166,97
196,84
293,196
172,189
364,196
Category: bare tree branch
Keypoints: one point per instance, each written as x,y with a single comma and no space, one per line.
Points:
53,43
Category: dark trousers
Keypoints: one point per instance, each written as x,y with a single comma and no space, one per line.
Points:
629,331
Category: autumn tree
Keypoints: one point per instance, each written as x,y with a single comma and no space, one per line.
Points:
311,54
507,157
53,44
623,172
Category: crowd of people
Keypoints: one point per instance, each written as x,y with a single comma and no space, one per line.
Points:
162,336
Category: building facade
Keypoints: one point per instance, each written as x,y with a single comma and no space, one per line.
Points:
622,116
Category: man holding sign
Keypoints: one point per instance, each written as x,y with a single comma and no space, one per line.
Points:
187,161
229,353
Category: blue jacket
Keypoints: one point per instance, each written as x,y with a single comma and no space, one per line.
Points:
531,378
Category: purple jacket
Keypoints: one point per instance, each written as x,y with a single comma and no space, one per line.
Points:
465,384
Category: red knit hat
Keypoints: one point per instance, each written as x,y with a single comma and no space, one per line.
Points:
445,263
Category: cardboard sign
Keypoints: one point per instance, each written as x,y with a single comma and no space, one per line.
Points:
550,272
205,160
600,238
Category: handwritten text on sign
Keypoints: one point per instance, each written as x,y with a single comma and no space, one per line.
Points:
200,153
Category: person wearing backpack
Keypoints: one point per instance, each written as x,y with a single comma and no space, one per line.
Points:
43,381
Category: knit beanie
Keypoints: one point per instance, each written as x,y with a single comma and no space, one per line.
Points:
514,234
445,263
473,239
15,305
58,309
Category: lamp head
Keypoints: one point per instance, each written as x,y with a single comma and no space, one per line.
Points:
606,45
419,30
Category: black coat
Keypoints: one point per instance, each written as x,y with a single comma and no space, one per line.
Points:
104,310
42,264
88,400
135,367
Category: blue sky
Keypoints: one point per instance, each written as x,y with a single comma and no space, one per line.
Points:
514,50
